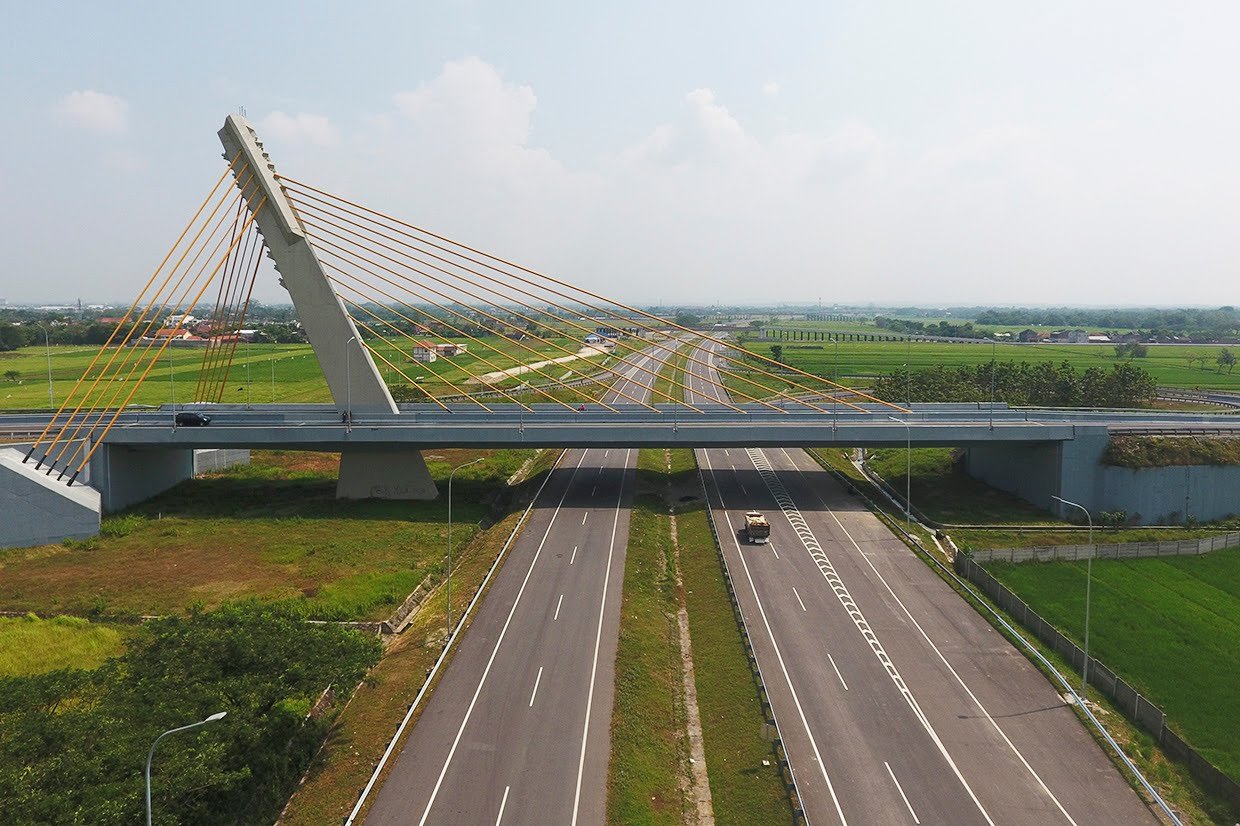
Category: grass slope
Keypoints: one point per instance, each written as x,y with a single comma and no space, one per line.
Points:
273,529
1170,627
29,645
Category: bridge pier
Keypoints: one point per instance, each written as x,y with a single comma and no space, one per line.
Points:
384,473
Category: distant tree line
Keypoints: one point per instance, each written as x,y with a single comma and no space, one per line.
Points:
73,743
946,329
1041,384
1197,324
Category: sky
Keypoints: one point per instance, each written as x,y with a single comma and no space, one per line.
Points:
931,152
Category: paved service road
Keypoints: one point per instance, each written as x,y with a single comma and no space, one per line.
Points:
896,701
518,730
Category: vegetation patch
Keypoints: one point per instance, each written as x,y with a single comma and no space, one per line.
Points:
1169,626
73,743
945,493
1169,451
272,529
648,752
30,645
745,784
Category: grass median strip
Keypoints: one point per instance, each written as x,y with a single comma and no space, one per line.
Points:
650,780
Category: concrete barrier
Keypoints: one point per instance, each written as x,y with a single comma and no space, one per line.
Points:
1119,550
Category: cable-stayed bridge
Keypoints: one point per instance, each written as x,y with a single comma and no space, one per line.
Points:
529,359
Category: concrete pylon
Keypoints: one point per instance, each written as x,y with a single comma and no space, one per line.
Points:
352,377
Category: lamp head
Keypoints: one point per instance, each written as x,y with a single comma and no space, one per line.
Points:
219,715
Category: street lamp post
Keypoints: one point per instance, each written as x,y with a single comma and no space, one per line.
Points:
1089,571
992,384
348,388
450,475
219,715
908,471
47,347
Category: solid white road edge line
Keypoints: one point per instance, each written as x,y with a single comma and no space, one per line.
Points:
822,766
836,583
598,639
900,789
502,804
498,642
537,680
948,665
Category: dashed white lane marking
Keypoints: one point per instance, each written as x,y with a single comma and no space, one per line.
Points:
794,517
593,490
771,545
502,804
942,658
584,516
836,668
574,556
900,789
798,596
558,603
537,680
598,641
606,453
456,741
796,701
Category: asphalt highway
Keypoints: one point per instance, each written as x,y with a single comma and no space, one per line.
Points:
896,702
518,730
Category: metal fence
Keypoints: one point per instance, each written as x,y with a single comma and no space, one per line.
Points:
1122,550
1128,699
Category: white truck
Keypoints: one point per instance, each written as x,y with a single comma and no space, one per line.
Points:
757,529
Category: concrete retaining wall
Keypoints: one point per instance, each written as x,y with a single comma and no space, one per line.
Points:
1118,550
35,509
1073,470
1128,699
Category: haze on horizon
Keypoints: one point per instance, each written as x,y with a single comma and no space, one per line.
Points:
934,153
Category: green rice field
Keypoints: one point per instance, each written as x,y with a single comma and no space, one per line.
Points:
856,362
1169,626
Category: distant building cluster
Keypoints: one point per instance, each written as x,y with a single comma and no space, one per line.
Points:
1072,337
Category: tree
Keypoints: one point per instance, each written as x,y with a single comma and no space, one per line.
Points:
12,375
1227,359
777,352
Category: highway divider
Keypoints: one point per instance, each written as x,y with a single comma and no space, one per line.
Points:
785,768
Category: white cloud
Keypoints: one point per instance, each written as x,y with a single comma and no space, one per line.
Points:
771,88
94,111
301,127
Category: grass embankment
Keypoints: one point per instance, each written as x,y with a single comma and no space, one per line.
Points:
359,736
30,645
946,494
1169,451
649,752
1170,627
272,529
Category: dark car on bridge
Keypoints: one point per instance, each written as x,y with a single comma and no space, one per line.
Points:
189,418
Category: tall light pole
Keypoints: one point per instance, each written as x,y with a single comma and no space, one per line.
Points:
992,383
835,402
1089,571
348,397
450,475
908,470
47,347
219,715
